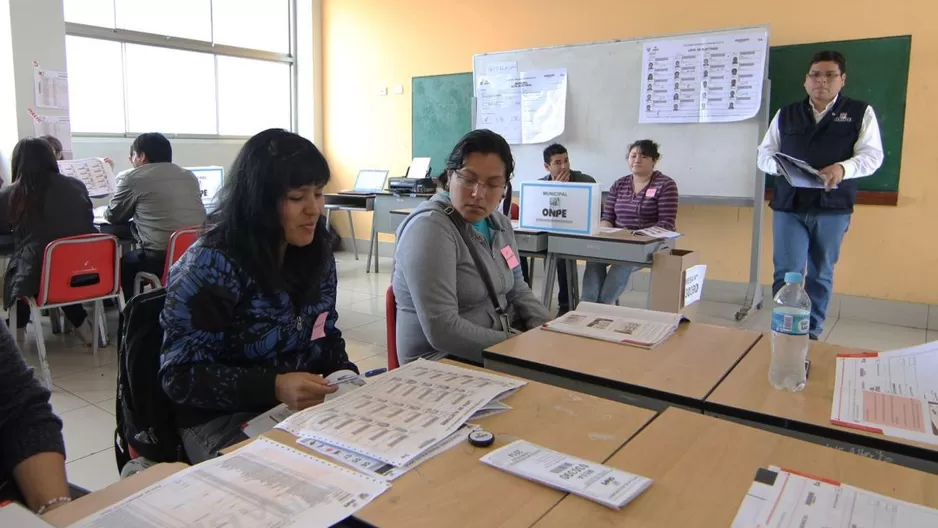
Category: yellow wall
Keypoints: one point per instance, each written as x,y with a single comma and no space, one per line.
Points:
372,43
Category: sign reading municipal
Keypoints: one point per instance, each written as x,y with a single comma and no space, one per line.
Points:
561,207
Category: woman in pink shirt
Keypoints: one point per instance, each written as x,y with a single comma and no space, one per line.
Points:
642,199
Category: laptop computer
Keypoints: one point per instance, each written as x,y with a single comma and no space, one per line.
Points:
369,181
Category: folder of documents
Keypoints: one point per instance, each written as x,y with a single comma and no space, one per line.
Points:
798,172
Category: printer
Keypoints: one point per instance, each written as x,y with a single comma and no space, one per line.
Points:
411,185
416,181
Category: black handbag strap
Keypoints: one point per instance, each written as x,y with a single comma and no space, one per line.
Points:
461,225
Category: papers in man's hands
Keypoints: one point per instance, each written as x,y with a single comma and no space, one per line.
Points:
95,173
781,498
894,393
798,172
658,232
619,324
263,484
608,486
399,416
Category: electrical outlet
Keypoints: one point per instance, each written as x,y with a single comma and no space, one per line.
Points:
383,90
399,89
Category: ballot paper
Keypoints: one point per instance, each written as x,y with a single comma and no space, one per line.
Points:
16,516
345,381
780,498
608,486
264,422
379,469
658,232
618,324
402,414
95,173
798,172
263,484
894,393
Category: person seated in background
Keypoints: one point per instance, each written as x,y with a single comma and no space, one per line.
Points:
32,451
56,146
557,163
444,307
160,197
250,316
643,199
40,206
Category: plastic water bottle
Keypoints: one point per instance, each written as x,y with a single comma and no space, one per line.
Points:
791,320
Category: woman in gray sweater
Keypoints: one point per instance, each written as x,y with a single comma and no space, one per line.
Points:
443,305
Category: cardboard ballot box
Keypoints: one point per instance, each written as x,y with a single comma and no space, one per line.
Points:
677,282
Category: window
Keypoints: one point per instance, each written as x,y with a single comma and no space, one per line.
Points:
198,67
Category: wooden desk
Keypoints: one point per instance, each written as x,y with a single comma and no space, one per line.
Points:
97,501
702,468
746,396
621,247
455,489
681,371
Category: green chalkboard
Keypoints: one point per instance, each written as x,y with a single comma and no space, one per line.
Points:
442,113
877,72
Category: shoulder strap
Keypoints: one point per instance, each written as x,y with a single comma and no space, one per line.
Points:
459,222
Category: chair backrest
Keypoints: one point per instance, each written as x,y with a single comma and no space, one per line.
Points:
515,210
179,242
79,268
390,306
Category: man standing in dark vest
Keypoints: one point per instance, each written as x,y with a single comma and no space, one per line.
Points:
838,136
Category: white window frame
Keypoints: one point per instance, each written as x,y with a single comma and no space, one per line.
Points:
124,37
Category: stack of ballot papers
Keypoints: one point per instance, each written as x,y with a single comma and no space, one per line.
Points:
399,419
783,498
608,486
263,484
893,393
618,324
658,232
798,172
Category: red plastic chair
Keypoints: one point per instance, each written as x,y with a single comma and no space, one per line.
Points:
179,242
514,211
78,269
390,306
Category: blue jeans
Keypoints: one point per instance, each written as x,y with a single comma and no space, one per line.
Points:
812,240
604,286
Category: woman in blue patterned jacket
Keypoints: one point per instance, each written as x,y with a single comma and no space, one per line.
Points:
250,318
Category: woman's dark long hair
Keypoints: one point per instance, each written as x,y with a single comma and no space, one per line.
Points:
246,224
482,141
33,163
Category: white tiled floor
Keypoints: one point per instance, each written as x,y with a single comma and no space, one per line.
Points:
84,393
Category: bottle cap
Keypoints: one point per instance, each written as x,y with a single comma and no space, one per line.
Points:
793,277
481,438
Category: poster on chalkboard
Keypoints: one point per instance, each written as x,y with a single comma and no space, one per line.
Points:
524,107
703,79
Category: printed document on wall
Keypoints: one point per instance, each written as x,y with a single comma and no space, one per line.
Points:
264,484
51,89
525,108
892,393
58,126
703,79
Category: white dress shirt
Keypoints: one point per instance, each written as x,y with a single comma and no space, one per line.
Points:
867,151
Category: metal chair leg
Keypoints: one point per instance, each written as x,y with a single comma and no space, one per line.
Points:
102,323
371,247
55,319
40,344
351,226
95,323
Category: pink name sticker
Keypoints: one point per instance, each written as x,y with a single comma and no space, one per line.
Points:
510,257
319,329
650,193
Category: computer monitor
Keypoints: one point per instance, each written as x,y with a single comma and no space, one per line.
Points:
210,181
370,180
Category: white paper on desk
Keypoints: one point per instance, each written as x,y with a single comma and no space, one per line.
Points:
658,232
264,422
604,229
397,417
377,468
608,486
16,516
95,173
894,393
263,484
617,324
813,502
